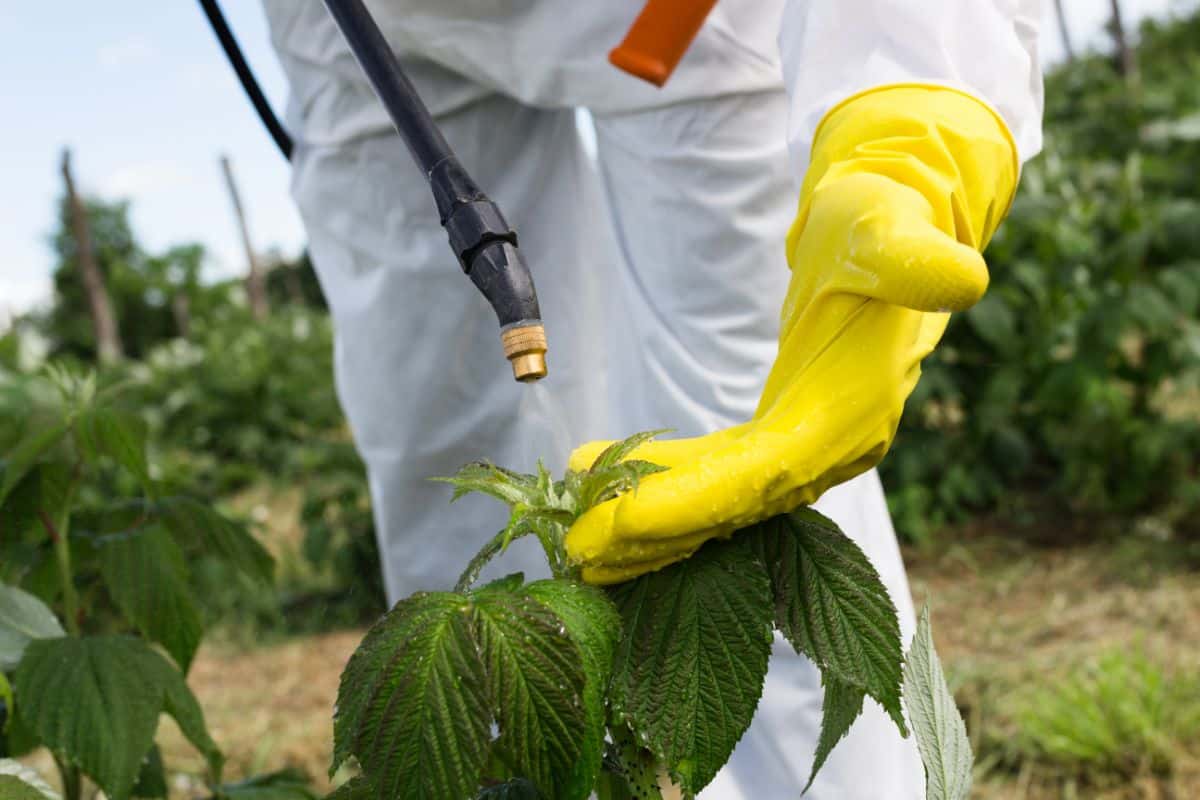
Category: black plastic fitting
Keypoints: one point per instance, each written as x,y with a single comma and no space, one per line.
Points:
482,240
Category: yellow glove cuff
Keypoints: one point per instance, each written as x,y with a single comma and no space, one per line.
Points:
951,147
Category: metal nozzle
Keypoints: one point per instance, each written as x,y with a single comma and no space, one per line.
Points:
525,348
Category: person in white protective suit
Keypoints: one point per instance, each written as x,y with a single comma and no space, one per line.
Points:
662,266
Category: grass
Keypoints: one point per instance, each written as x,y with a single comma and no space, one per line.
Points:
1077,668
1119,714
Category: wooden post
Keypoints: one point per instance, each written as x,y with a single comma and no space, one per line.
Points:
181,309
1126,62
256,289
1064,31
104,321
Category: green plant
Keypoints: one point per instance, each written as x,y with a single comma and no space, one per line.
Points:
98,623
1073,389
339,542
1121,714
556,689
240,398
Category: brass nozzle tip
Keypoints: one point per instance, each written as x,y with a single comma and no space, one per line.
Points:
525,348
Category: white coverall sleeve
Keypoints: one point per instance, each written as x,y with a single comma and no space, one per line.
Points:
832,49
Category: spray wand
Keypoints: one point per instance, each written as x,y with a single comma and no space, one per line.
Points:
482,240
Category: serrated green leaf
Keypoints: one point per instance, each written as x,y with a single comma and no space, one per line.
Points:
101,431
503,484
19,782
194,524
148,579
23,618
285,784
535,680
516,789
831,604
151,779
604,484
619,451
413,702
842,705
96,701
21,458
593,623
43,490
939,728
689,671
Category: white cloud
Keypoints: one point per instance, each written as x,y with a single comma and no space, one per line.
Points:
145,178
19,294
127,52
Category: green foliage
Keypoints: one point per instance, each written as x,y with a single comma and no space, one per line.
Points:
832,606
152,778
89,533
1074,386
23,618
413,704
669,670
339,538
146,575
841,706
690,667
285,784
96,702
516,789
144,289
594,625
418,697
241,397
940,732
1120,714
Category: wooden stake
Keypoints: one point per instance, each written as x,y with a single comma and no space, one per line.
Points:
1064,31
104,321
1126,61
256,289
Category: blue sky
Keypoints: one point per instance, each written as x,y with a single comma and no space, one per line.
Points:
141,93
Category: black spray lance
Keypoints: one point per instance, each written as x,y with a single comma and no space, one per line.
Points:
481,239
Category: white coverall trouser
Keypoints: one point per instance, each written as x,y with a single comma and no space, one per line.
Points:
659,265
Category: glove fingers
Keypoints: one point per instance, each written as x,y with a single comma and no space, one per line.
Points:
605,575
719,492
630,553
915,264
664,452
585,455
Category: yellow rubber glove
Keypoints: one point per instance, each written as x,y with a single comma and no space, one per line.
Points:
906,186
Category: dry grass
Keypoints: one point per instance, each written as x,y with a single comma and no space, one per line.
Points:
1009,619
267,708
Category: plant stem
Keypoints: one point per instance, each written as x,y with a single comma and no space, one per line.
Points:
59,530
485,554
72,780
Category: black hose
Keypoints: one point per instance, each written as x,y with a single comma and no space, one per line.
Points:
234,53
399,97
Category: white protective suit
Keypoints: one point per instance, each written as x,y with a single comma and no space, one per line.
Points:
660,265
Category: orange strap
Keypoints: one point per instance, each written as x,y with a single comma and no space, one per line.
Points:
659,37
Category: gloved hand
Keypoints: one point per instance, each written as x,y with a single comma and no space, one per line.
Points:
905,188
